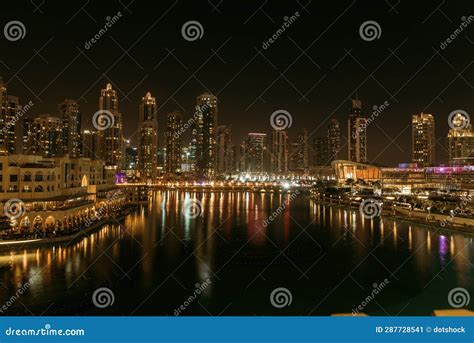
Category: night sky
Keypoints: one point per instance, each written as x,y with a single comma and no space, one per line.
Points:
311,70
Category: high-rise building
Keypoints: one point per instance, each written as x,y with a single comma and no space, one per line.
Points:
460,144
173,143
9,106
334,140
205,135
131,156
111,139
46,136
279,158
320,151
224,156
357,135
90,144
299,152
423,139
27,142
256,146
71,128
147,137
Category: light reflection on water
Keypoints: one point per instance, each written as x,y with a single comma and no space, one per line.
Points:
327,256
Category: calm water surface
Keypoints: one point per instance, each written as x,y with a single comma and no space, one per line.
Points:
328,257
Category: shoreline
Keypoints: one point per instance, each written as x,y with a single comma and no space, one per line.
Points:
409,220
83,233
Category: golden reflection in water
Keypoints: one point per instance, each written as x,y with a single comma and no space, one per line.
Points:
410,239
428,242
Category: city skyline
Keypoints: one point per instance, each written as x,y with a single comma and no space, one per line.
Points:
342,70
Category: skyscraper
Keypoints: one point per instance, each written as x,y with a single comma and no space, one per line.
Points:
9,106
256,146
111,139
224,155
71,128
334,140
204,135
279,158
90,144
47,136
423,139
320,151
357,135
460,144
173,142
147,137
301,153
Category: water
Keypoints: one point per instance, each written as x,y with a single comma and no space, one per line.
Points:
329,258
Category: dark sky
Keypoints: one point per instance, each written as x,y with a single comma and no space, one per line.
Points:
311,70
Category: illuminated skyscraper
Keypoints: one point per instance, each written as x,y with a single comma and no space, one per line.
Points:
279,158
224,154
9,106
320,151
255,149
71,128
334,140
111,139
204,135
173,142
148,137
357,135
423,139
46,139
90,144
460,143
299,152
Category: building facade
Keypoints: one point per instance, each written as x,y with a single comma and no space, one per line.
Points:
173,143
279,152
423,139
356,131
71,128
148,137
